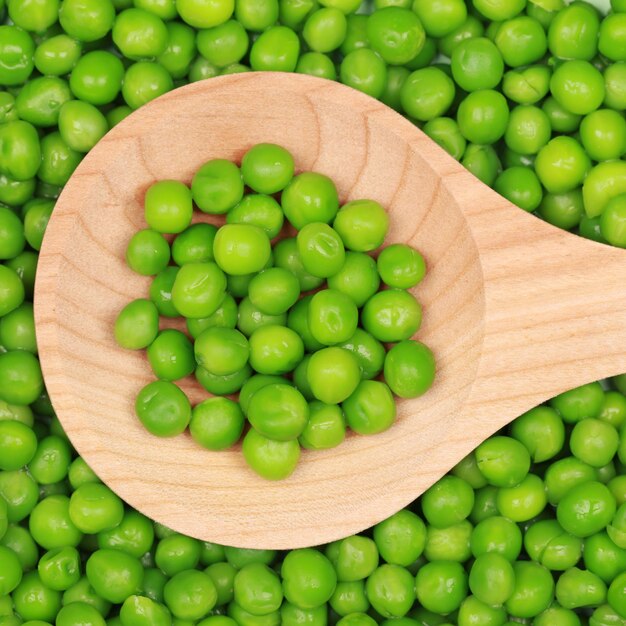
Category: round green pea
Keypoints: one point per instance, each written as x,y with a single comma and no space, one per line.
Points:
391,315
310,197
198,289
332,316
278,412
137,325
275,349
272,460
325,429
309,578
221,351
333,374
163,409
409,369
370,409
396,33
321,249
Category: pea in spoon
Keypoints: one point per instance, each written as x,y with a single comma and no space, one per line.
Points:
516,310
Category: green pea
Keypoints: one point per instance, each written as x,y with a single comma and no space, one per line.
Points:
250,318
491,579
33,15
562,165
190,594
87,20
275,349
611,39
364,70
362,225
332,316
616,595
586,509
41,99
276,50
241,249
579,403
58,160
180,50
171,355
18,445
325,29
257,589
503,461
278,412
573,33
547,543
310,197
57,56
541,431
391,315
390,590
223,577
451,543
400,539
594,442
427,93
441,586
198,289
473,611
258,15
578,86
603,557
140,611
521,41
564,210
139,34
483,116
333,375
144,81
476,63
216,423
95,508
371,408
161,291
533,590
356,34
19,540
194,244
16,55
163,409
440,18
165,9
396,77
37,214
447,502
613,408
321,249
316,64
137,325
349,597
34,601
201,69
50,523
59,568
577,588
168,206
20,493
325,429
133,535
17,329
483,162
527,85
79,612
205,13
557,615
21,151
612,224
357,278
114,575
309,578
522,501
409,369
497,535
396,33
604,182
223,45
221,351
499,10
272,460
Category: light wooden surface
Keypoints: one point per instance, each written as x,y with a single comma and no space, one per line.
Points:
515,310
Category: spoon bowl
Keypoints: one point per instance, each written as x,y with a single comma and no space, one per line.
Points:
515,310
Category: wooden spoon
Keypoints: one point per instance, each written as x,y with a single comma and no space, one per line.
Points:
516,310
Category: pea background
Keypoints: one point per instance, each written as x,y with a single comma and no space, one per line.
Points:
528,529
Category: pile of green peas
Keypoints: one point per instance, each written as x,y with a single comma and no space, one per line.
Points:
553,144
252,321
530,528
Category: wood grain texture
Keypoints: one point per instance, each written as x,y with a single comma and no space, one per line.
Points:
516,310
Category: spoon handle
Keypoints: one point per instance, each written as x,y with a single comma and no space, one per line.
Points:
555,304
